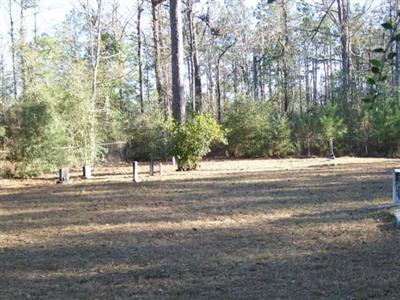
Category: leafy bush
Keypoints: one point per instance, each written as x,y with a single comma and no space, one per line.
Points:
192,140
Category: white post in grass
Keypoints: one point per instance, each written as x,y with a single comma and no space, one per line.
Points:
63,176
174,161
396,193
135,169
87,172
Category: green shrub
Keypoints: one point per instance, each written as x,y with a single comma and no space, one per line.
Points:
278,142
246,122
332,125
385,133
148,136
257,129
38,140
306,127
192,140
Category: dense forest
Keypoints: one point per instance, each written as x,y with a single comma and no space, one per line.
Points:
278,78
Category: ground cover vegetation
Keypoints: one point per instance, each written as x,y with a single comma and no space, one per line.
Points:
280,80
254,229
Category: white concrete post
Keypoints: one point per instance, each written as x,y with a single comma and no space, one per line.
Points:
135,171
87,172
174,161
63,176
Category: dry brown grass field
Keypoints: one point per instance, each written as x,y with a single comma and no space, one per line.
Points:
241,229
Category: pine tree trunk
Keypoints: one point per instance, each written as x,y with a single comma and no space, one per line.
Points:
255,78
343,15
218,79
269,80
178,100
196,77
307,78
315,79
219,105
22,50
158,70
235,79
285,63
13,52
140,58
94,48
326,82
262,80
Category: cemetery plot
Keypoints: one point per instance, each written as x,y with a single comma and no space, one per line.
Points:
252,229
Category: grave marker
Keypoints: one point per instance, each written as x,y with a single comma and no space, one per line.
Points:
174,161
151,167
331,154
63,176
87,172
135,169
396,193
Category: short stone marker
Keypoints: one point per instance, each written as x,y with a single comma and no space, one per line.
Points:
135,171
63,176
396,193
331,154
87,172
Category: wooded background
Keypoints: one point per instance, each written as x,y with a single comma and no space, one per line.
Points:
282,78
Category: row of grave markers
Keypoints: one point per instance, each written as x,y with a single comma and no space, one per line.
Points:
63,175
152,172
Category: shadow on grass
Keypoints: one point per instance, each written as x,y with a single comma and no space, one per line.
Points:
175,200
229,263
281,257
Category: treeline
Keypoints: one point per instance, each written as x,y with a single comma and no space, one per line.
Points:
281,79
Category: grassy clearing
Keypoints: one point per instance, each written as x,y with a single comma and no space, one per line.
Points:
233,229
